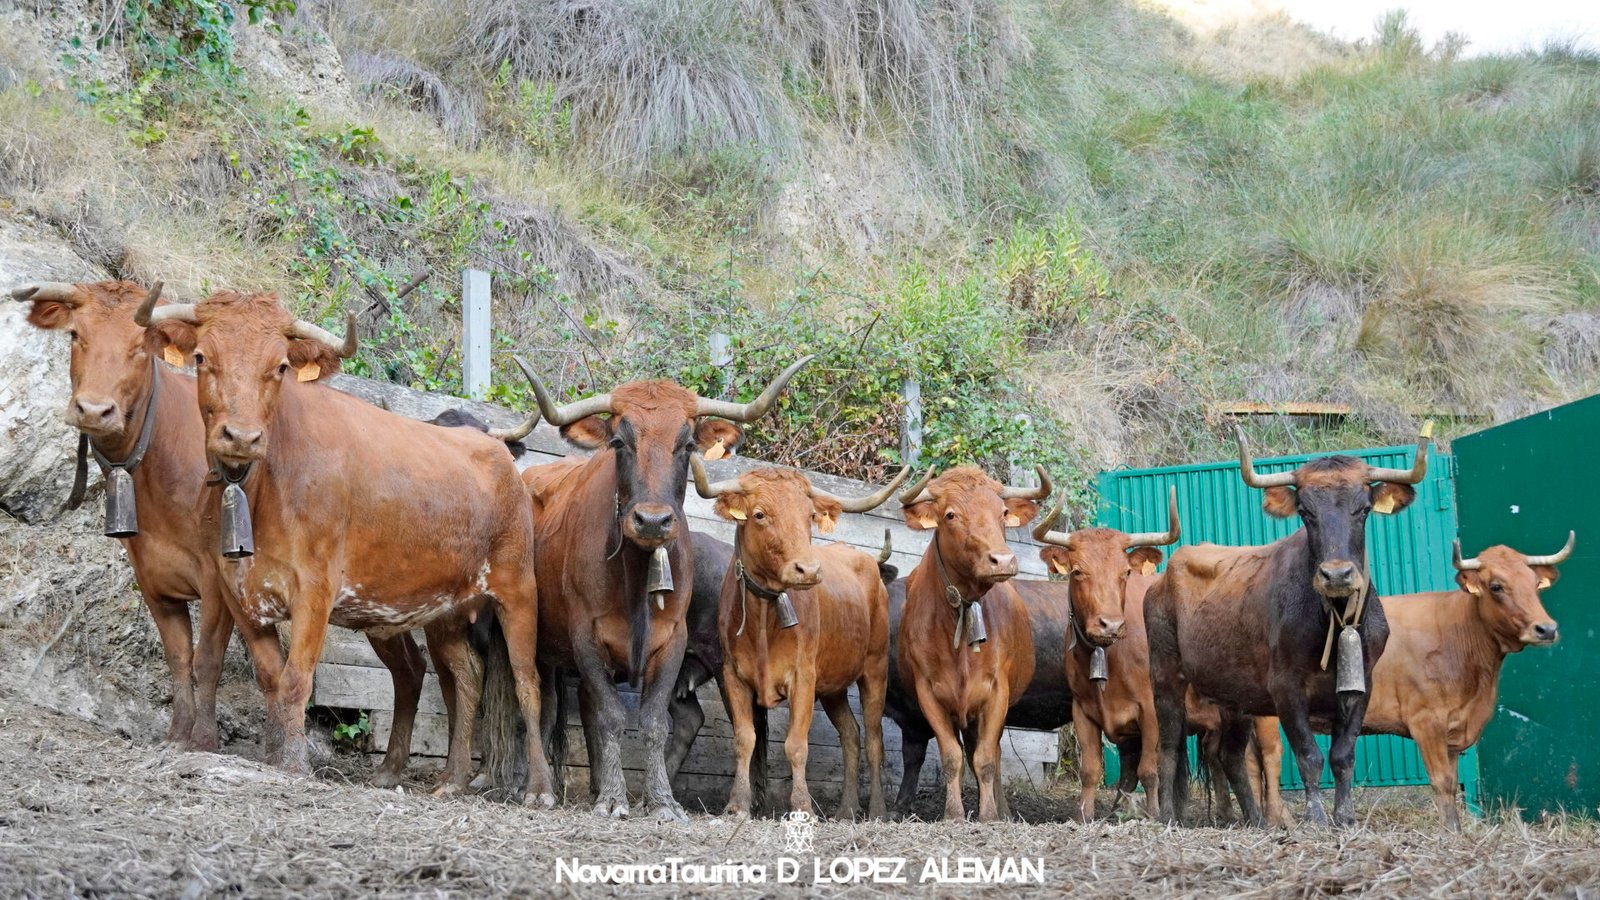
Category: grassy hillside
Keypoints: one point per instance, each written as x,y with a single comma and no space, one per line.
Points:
1080,212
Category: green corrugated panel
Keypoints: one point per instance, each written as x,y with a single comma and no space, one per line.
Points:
1408,552
1525,484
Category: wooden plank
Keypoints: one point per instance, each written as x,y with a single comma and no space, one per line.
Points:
362,687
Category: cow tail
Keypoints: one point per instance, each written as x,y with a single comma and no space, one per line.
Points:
1180,782
500,713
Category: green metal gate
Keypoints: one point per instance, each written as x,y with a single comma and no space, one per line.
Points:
1409,552
1526,484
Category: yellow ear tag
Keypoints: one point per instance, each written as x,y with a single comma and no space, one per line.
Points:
1012,520
1544,583
927,521
716,451
737,514
825,524
1384,504
308,372
173,356
1060,567
1149,568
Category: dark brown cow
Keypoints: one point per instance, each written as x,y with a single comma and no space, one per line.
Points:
361,517
598,523
1440,674
1108,572
840,638
1247,627
958,592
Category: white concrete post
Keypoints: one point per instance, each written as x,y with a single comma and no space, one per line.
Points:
475,336
911,428
722,357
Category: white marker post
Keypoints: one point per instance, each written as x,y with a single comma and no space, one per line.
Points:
475,336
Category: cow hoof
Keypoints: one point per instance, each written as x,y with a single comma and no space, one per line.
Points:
205,743
448,789
545,800
738,814
381,779
611,809
669,812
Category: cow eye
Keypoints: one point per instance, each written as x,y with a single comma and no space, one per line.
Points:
950,515
760,515
615,443
1497,587
73,334
199,359
283,368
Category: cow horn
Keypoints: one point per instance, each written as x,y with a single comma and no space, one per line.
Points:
568,413
888,548
710,490
1160,538
344,347
755,409
1030,493
917,492
59,291
145,316
1462,565
1558,557
1044,534
1418,469
515,432
870,501
1247,467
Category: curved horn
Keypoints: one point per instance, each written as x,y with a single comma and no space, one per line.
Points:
344,347
713,489
172,312
1247,467
1044,534
1558,557
568,413
59,291
142,316
1160,538
1462,565
917,492
872,500
888,548
1418,469
755,409
515,432
1034,493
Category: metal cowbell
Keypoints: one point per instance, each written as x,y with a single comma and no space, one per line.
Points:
1351,676
977,631
1098,669
658,578
237,539
122,519
786,615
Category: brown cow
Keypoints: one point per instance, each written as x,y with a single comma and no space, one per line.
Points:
839,636
965,644
1248,627
598,525
1439,676
1108,572
362,518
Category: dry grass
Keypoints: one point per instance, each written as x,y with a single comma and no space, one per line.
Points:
89,814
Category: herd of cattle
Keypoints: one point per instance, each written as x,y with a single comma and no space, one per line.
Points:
267,496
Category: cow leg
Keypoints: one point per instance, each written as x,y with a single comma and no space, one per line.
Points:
1217,774
266,658
740,701
837,706
951,755
306,634
874,689
1128,753
1432,743
1269,748
1091,761
913,753
760,795
553,728
1150,760
687,718
1170,691
447,640
1352,709
177,643
1234,733
403,659
605,768
992,804
512,587
216,627
1289,699
589,714
660,678
797,742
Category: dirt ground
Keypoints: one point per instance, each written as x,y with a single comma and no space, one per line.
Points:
86,812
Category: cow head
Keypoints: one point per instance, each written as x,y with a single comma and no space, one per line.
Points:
1098,562
969,513
244,346
1507,585
1333,497
650,427
110,353
774,510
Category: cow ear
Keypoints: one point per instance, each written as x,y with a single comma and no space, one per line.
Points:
1020,512
731,506
1468,581
1056,559
589,432
305,354
1279,502
717,438
49,314
1389,498
921,516
825,511
171,341
1145,559
1547,575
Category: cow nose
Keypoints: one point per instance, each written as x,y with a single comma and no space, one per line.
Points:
1110,627
240,438
805,572
1003,560
1545,631
1337,572
91,413
651,521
